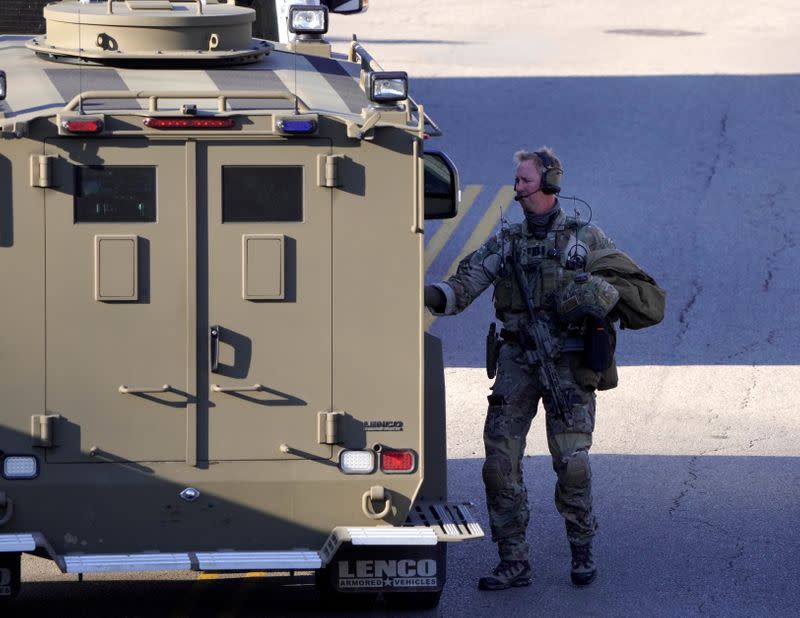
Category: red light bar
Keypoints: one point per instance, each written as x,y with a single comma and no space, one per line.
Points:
189,123
83,126
397,461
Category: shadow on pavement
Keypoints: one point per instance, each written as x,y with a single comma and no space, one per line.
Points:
693,176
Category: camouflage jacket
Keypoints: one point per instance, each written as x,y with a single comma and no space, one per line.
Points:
548,264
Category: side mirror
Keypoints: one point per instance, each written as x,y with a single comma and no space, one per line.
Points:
346,7
442,192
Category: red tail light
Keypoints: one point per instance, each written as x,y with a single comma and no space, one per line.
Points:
398,461
189,123
94,125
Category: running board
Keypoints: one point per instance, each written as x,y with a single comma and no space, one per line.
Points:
116,563
17,542
449,520
259,561
428,524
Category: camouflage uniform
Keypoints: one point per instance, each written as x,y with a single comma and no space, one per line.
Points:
517,389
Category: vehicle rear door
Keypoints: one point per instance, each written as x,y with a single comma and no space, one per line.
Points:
118,346
266,299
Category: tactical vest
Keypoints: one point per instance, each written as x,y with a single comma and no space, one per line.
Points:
544,263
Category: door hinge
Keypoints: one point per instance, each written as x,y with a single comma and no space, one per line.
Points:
328,170
330,427
42,171
42,429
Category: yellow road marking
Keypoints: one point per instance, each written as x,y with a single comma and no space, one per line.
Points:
209,576
502,200
442,235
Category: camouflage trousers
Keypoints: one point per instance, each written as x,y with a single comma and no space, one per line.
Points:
512,406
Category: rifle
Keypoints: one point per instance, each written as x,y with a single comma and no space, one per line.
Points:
538,345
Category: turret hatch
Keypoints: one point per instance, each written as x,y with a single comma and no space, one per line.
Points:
173,32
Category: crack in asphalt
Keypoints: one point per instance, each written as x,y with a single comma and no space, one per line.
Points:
683,316
755,345
688,485
779,217
748,393
723,146
739,552
721,139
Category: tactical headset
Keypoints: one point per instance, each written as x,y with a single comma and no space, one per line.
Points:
550,182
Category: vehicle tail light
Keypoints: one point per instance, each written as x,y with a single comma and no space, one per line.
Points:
163,122
82,125
398,461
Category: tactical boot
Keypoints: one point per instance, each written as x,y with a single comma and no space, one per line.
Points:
583,568
507,574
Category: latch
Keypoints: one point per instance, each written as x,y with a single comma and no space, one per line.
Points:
330,427
328,170
42,429
42,171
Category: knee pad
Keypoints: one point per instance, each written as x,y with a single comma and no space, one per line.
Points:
575,470
496,472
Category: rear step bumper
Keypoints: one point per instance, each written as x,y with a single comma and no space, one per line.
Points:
428,524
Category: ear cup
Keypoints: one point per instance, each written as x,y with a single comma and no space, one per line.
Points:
550,183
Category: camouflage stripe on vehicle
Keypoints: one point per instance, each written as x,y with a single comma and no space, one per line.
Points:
341,82
40,87
71,82
248,79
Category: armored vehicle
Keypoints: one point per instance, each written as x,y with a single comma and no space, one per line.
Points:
211,259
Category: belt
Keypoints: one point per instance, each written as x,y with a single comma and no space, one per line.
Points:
511,336
568,344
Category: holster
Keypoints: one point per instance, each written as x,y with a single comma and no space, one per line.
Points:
493,344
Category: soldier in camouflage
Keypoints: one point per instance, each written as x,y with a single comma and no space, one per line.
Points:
551,248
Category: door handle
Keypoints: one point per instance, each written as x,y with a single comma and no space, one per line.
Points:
135,390
214,335
233,389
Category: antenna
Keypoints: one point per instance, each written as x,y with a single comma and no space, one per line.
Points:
574,256
584,202
80,66
294,52
503,226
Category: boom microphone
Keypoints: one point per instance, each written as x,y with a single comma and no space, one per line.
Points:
519,198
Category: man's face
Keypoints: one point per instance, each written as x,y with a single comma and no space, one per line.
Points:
526,185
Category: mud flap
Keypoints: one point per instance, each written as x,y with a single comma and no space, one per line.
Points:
10,575
387,568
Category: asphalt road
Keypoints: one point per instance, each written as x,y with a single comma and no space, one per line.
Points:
678,123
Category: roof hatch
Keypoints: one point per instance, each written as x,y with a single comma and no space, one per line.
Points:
172,32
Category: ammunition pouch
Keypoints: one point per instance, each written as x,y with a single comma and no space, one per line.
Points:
493,344
590,298
598,344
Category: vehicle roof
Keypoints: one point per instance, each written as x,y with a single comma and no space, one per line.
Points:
38,87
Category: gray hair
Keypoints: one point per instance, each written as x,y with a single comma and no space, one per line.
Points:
543,157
